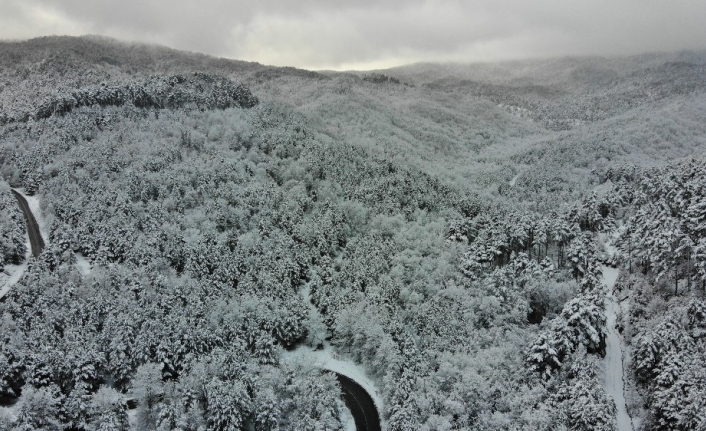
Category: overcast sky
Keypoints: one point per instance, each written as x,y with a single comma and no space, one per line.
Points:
367,34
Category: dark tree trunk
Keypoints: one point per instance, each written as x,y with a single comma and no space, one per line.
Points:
676,280
688,272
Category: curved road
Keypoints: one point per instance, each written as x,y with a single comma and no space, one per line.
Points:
360,404
35,238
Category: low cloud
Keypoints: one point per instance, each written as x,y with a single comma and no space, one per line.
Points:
318,34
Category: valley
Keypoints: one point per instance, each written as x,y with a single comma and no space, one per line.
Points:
229,245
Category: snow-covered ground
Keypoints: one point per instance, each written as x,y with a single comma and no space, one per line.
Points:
132,418
614,353
328,359
614,383
82,264
15,273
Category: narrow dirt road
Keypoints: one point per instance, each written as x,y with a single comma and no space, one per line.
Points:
614,353
35,237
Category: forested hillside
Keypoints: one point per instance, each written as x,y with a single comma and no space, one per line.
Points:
442,226
12,229
663,247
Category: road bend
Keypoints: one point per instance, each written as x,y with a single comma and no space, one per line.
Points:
360,403
35,237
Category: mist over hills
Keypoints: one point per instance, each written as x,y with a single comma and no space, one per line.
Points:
485,103
447,229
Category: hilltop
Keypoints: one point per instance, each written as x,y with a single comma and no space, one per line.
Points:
443,230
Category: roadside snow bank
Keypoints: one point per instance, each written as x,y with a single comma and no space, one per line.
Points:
15,274
614,382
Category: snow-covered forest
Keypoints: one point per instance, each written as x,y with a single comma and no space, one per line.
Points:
12,229
446,229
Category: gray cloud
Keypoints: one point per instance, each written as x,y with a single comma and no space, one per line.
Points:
369,34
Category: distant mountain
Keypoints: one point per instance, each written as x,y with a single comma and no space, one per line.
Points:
58,53
226,241
563,91
446,118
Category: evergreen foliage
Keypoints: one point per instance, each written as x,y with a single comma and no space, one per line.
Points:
12,229
448,245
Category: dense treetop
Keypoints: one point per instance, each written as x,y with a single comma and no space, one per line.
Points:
445,235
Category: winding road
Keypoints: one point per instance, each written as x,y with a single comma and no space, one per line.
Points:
35,237
35,241
360,403
357,399
351,378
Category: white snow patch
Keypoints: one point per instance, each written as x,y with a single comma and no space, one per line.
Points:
602,189
614,384
306,294
82,264
9,413
16,272
132,418
514,180
610,275
637,423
